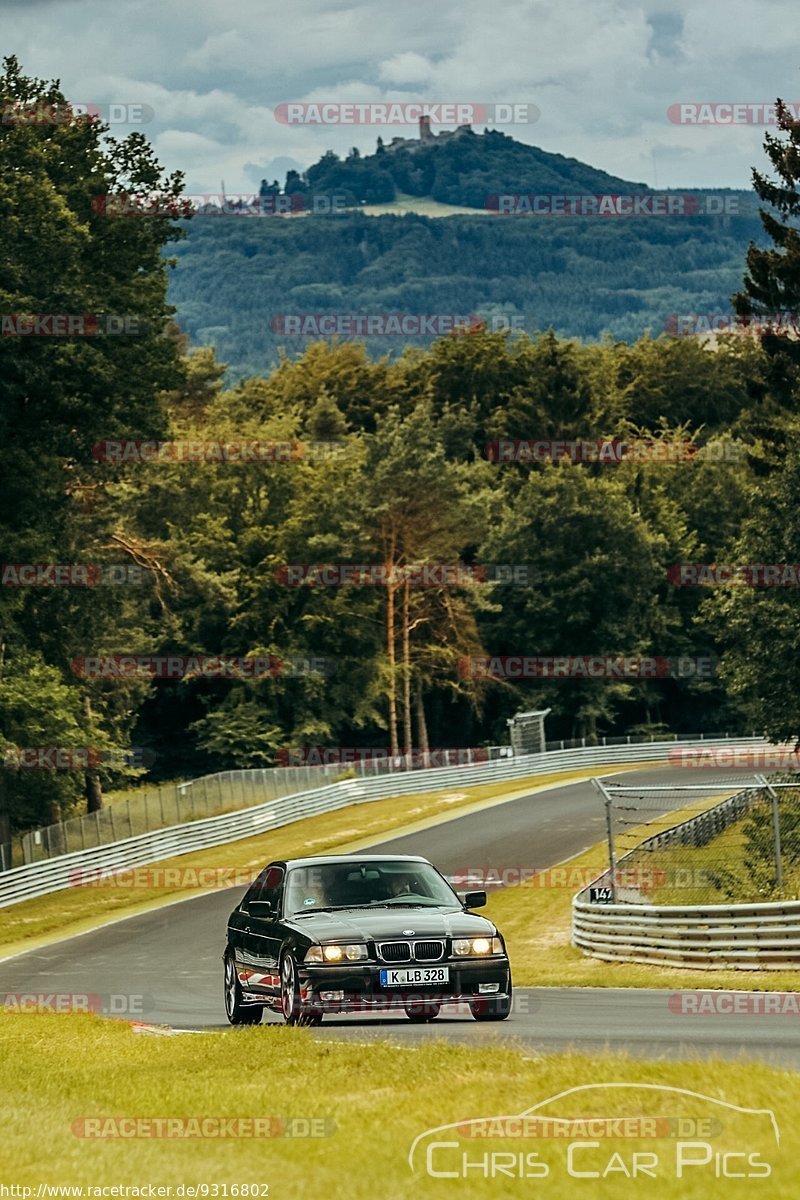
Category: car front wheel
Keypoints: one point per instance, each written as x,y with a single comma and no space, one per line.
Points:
422,1012
290,990
492,1008
237,1012
294,1009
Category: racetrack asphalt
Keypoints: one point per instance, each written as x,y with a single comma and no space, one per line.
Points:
165,966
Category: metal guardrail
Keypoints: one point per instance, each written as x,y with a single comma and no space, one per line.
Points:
743,936
56,874
161,806
713,936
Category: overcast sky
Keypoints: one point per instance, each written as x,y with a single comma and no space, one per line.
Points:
602,73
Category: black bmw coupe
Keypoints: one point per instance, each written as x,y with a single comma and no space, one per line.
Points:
361,933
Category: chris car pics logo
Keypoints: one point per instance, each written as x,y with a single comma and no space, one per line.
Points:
606,1131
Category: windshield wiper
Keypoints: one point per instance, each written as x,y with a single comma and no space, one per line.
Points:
309,912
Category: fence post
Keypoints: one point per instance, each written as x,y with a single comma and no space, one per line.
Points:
612,862
776,831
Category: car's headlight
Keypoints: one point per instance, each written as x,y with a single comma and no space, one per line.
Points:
331,954
476,947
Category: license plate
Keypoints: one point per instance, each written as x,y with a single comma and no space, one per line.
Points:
413,976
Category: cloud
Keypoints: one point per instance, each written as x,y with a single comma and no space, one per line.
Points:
602,73
406,68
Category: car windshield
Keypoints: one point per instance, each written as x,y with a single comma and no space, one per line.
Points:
364,885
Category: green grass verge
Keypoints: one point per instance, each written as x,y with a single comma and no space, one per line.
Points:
78,908
378,1098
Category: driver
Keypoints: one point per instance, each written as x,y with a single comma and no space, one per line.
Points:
400,885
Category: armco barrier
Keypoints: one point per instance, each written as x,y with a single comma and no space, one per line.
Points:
56,874
711,937
754,936
159,806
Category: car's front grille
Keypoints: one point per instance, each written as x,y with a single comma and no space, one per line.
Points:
428,951
395,951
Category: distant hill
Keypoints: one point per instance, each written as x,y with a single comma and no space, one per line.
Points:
435,248
462,168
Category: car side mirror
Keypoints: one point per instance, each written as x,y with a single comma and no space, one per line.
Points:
474,899
261,908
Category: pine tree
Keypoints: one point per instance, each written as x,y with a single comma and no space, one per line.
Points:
772,281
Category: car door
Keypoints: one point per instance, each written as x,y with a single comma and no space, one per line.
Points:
239,929
263,935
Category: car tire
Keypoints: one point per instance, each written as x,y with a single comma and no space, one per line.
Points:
237,1012
492,1008
311,1016
421,1013
291,1004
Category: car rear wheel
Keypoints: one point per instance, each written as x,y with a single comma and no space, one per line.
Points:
492,1008
422,1012
311,1016
237,1012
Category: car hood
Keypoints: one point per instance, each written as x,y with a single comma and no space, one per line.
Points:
358,925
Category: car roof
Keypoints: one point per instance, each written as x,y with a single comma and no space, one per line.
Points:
316,860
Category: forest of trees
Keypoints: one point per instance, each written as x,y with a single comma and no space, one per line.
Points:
394,472
583,277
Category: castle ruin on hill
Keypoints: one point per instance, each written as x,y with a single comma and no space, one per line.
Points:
426,134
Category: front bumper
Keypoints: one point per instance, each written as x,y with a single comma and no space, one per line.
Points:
360,988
